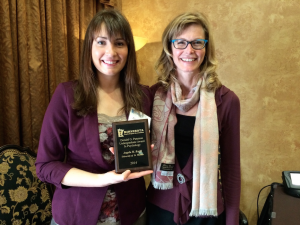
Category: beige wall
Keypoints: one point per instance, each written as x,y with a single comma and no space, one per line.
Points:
258,48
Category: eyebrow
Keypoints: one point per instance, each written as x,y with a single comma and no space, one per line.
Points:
101,37
187,40
106,38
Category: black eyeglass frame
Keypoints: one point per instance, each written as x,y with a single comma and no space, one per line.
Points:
190,42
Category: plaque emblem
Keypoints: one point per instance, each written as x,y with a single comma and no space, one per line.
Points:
120,132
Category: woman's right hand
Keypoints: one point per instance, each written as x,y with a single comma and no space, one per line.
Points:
80,178
114,178
126,175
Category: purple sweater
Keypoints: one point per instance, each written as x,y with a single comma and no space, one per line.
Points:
178,200
75,139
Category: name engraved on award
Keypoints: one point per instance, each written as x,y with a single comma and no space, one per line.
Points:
132,146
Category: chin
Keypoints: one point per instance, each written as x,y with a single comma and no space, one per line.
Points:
192,70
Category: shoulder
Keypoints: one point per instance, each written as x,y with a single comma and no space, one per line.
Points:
146,99
145,89
228,108
225,96
155,87
67,87
60,105
147,94
63,94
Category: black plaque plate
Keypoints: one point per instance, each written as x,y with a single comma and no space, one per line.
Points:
132,146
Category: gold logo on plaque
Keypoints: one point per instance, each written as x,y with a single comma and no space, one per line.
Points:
120,132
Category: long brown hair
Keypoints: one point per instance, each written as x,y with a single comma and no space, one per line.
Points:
85,93
165,65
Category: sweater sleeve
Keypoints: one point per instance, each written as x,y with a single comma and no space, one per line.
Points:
147,100
154,88
50,166
230,158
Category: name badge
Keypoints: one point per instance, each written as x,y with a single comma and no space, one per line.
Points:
167,169
137,115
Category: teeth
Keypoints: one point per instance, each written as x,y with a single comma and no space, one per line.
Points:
109,62
188,60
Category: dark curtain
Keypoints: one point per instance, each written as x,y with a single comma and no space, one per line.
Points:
40,47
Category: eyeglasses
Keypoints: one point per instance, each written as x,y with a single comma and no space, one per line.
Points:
182,44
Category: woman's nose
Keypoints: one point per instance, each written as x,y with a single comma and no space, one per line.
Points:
189,48
110,49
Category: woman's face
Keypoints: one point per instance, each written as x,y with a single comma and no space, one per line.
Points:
109,55
188,60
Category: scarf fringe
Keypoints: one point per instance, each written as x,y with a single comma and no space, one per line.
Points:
203,212
162,186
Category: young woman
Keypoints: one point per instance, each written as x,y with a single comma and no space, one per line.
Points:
76,134
194,115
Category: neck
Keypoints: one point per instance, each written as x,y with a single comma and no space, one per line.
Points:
108,83
187,81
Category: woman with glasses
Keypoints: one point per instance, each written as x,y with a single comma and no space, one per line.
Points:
194,117
76,134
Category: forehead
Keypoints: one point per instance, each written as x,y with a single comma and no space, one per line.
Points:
102,31
191,31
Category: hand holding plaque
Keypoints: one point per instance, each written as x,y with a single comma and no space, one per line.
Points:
132,146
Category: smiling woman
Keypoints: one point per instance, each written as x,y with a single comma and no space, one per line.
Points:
78,127
186,58
201,117
109,54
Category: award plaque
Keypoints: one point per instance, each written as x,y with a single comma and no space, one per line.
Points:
132,146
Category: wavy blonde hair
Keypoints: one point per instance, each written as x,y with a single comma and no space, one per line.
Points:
165,67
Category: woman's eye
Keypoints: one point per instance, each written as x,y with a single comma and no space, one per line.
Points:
181,42
120,44
198,42
101,42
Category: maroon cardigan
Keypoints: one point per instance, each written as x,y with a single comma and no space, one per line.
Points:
178,200
67,136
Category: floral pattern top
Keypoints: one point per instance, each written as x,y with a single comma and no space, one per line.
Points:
109,213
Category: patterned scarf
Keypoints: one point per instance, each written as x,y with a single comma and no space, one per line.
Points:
206,140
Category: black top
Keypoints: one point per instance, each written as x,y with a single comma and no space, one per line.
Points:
184,133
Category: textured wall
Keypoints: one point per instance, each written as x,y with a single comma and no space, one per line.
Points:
258,48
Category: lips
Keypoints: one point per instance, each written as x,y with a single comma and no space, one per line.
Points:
188,60
110,62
